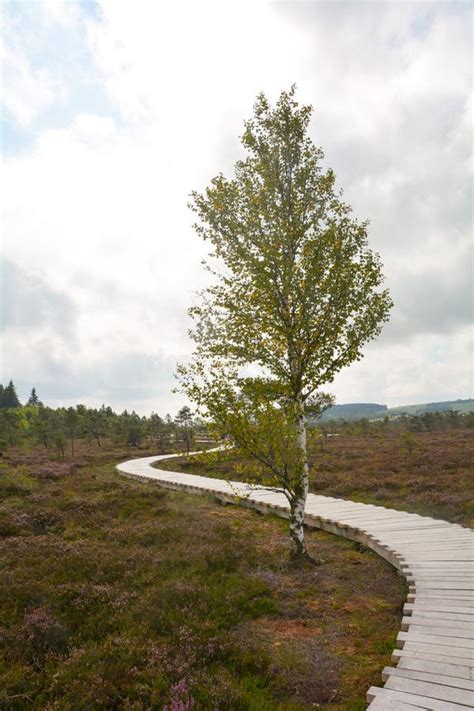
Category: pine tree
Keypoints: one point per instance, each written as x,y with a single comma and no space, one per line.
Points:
10,398
33,399
184,419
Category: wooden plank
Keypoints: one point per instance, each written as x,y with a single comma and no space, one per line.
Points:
441,607
423,702
426,592
457,671
436,623
434,640
388,528
449,532
413,651
391,705
443,649
409,550
447,564
465,557
431,690
438,570
451,601
439,616
412,549
454,633
439,585
434,566
401,539
426,582
428,676
440,574
464,597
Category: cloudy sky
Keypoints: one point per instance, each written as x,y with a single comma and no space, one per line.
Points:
113,111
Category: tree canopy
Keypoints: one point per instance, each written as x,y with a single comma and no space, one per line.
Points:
297,293
8,397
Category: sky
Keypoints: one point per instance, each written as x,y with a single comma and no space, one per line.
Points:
114,111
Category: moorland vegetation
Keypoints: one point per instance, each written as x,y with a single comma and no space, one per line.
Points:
115,594
418,463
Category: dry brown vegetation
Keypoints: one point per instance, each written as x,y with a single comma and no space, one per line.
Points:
430,473
432,476
121,595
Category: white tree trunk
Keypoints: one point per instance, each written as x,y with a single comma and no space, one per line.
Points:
298,503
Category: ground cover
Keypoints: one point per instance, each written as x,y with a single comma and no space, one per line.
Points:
120,595
430,473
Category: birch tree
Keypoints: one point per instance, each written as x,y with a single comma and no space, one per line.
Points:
296,293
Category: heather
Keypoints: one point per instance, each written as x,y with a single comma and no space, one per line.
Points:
421,465
116,594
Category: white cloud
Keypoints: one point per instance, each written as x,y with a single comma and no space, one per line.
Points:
65,13
428,368
97,208
26,91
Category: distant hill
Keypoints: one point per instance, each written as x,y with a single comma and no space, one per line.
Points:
459,405
373,411
354,411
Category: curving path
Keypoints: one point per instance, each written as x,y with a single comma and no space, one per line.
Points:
433,665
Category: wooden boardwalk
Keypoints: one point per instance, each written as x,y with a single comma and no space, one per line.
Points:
433,665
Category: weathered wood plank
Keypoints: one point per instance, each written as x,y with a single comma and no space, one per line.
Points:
441,607
449,596
439,585
390,705
390,695
437,655
434,648
434,639
419,621
428,676
430,690
457,671
437,616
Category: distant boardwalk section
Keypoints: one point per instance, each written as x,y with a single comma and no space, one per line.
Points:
433,666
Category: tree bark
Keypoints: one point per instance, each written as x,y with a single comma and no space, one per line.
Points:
298,502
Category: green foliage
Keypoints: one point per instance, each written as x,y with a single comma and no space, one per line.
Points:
183,421
161,431
59,443
408,442
296,294
72,418
427,422
13,424
259,426
54,428
96,424
300,294
33,399
8,397
130,429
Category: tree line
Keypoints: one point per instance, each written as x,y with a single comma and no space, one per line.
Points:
425,422
59,429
